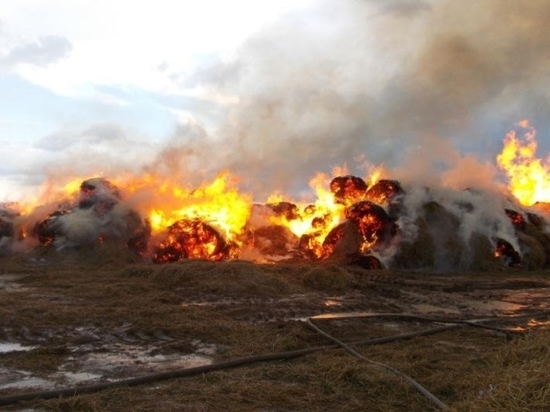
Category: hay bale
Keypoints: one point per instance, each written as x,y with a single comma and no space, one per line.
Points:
274,240
346,243
416,254
542,237
534,256
481,254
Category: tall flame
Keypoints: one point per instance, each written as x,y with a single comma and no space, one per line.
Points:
529,176
324,207
216,203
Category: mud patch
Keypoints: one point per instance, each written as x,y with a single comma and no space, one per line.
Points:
130,360
101,357
14,379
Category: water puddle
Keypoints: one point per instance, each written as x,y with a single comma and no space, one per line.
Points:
8,282
107,362
124,359
16,379
14,347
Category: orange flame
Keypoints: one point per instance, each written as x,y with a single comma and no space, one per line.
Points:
314,219
216,203
529,176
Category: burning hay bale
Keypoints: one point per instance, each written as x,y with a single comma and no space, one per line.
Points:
274,241
286,209
437,243
50,228
374,224
516,218
193,239
98,194
342,242
348,189
384,191
96,217
369,262
506,252
380,225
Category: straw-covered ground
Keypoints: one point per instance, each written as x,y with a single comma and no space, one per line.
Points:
88,318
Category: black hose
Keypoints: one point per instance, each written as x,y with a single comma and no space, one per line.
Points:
179,373
415,384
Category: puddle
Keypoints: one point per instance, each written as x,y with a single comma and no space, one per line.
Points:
106,361
10,379
124,359
14,347
8,282
425,308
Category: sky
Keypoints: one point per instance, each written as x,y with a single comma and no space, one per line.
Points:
273,91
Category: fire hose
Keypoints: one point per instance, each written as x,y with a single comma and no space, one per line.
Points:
449,324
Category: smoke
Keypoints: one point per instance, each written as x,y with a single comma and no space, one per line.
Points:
425,89
396,83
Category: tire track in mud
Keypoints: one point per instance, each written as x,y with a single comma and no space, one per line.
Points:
462,296
89,335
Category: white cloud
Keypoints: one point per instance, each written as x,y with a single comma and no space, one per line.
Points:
41,53
132,43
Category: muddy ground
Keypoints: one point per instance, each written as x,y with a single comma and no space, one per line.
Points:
74,320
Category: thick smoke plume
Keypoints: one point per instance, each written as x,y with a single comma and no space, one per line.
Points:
424,89
417,86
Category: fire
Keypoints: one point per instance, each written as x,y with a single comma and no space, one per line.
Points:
373,222
311,222
321,226
192,239
529,176
351,219
215,203
505,251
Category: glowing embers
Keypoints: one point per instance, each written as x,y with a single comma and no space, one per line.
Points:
49,228
355,228
348,189
193,239
366,262
373,223
384,191
289,210
516,218
506,252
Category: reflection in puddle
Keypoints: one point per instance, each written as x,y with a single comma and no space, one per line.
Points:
532,324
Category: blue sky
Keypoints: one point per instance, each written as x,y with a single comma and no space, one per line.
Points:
273,91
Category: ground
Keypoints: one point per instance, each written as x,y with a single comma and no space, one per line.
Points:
77,319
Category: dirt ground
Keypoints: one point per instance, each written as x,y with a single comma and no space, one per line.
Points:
82,319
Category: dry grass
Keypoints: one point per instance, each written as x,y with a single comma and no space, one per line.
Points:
469,369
